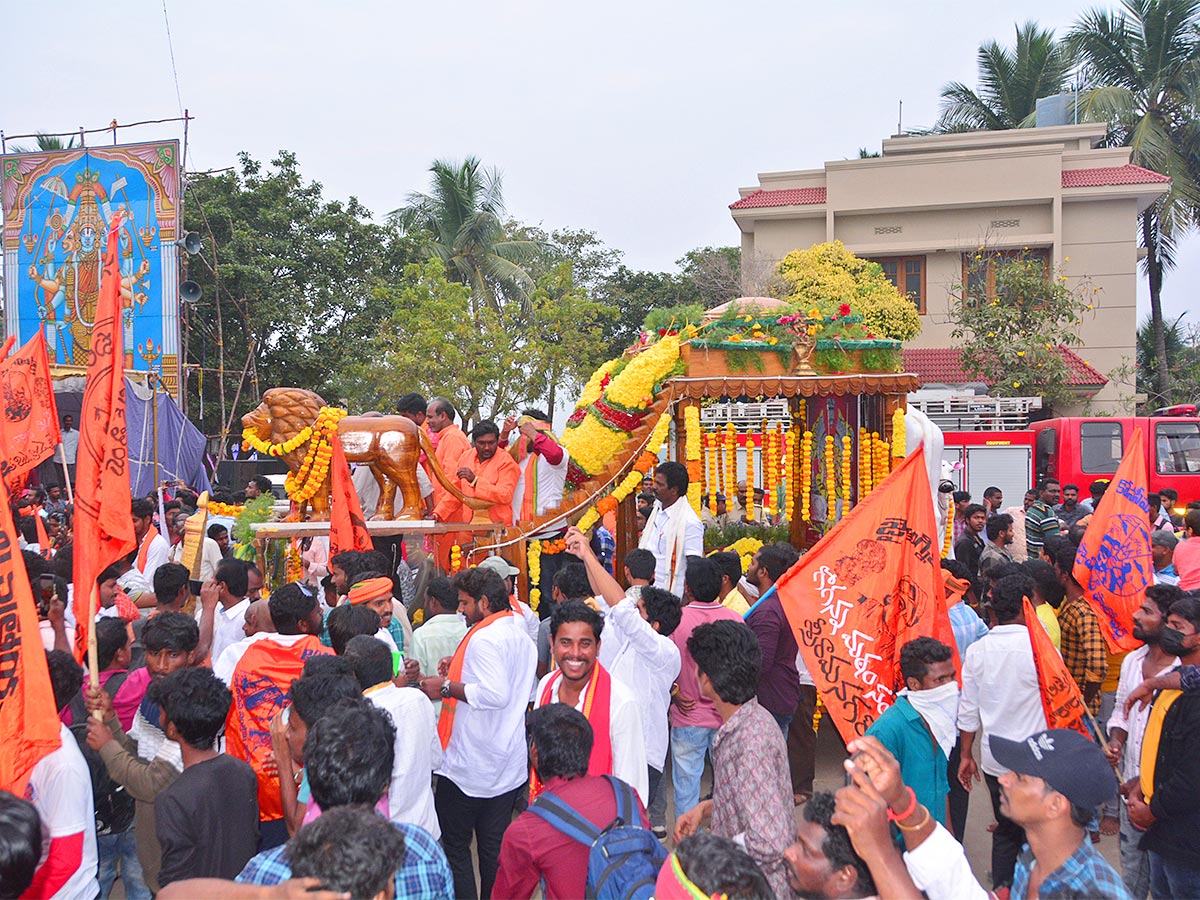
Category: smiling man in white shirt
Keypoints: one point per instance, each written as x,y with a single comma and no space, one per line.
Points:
638,651
484,689
1000,693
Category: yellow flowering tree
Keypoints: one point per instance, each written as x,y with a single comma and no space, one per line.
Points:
825,276
1010,319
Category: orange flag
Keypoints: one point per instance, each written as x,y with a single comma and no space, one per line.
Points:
866,589
347,527
29,726
29,426
1061,700
103,527
1113,564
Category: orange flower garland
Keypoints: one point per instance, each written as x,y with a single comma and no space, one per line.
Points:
830,480
789,501
749,478
303,484
864,464
731,463
711,458
456,558
847,482
806,460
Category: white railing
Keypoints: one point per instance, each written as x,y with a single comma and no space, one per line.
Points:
968,412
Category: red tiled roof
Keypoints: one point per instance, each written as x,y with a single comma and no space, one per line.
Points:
790,197
1112,175
943,365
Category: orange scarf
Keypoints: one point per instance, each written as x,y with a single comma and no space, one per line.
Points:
597,707
450,704
144,550
43,538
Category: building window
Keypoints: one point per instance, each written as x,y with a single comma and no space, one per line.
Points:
907,273
979,269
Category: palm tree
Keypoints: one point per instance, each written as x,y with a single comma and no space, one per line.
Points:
1010,83
1145,63
463,216
45,142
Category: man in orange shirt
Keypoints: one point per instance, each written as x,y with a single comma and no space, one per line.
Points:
484,473
449,442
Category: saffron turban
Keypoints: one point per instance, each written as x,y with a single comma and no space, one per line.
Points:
371,589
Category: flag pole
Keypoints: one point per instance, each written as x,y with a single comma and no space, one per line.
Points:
93,652
66,474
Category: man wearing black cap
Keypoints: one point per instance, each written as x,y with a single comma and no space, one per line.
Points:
1057,779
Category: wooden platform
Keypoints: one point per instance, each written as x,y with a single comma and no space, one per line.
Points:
273,530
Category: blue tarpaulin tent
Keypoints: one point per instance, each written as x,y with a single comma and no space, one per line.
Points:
181,446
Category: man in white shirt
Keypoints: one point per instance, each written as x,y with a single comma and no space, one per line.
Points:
484,691
1125,732
619,747
417,748
224,625
639,653
441,632
1000,692
153,550
60,788
673,532
509,573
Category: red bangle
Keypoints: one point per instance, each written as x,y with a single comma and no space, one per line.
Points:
908,810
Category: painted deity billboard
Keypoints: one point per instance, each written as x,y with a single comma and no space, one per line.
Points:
57,206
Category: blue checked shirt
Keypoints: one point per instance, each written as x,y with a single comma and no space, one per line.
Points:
1085,873
967,627
607,548
424,874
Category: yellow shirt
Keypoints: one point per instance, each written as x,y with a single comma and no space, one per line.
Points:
737,602
1046,615
1114,671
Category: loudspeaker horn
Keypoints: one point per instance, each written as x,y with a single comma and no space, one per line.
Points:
190,243
189,292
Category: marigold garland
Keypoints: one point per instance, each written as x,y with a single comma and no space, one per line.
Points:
303,484
711,457
847,483
730,437
692,451
789,501
949,538
456,558
250,440
830,481
228,510
634,478
534,559
596,384
293,564
864,464
806,484
749,478
898,435
882,469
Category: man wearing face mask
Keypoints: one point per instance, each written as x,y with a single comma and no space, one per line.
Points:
1166,801
920,728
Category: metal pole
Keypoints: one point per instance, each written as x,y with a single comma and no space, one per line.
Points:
154,421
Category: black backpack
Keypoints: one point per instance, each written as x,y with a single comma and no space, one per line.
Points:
114,806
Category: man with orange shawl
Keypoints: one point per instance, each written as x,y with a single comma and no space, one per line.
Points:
484,689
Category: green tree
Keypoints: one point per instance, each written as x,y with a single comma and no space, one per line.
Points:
461,221
1145,64
716,273
1183,358
489,360
44,142
1010,335
288,281
1011,80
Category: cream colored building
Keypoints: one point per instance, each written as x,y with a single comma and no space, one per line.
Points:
927,204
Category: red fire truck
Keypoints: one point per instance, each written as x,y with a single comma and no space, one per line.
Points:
1078,450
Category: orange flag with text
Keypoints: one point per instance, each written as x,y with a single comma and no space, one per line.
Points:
347,527
866,589
29,429
103,526
1061,700
29,726
1114,564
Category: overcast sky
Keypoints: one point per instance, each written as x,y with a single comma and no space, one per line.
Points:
636,120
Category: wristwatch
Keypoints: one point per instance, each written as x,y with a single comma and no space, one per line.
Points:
445,689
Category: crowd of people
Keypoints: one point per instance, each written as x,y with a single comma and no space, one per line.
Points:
368,731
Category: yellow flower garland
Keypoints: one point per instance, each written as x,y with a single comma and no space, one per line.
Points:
898,435
535,574
731,463
229,510
692,439
789,503
303,484
806,461
250,440
864,464
711,457
633,386
749,478
949,539
847,482
830,481
456,559
634,478
592,390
